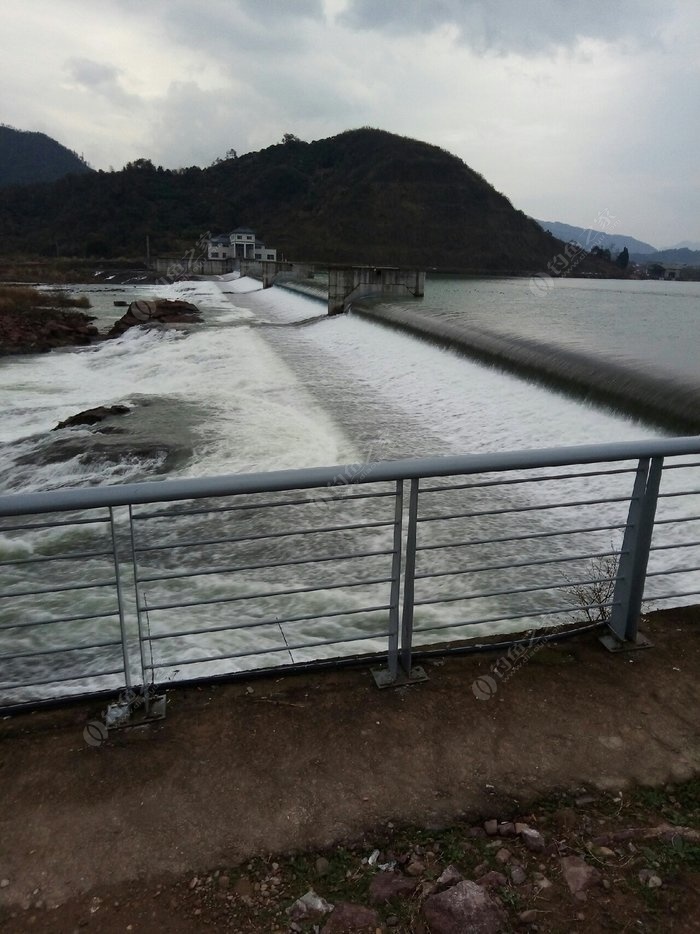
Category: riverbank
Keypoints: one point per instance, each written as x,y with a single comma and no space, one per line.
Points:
33,321
73,271
173,826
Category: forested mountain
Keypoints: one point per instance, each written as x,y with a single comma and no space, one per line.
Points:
363,196
27,158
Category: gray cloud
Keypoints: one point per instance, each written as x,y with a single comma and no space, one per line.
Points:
100,78
509,25
226,27
92,74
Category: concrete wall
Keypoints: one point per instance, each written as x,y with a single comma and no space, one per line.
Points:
174,268
351,282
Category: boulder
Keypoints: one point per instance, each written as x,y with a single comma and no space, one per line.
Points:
93,416
464,907
156,311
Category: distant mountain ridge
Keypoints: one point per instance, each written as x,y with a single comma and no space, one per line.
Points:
588,237
682,257
683,245
27,157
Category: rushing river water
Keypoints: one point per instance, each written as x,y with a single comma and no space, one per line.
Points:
269,381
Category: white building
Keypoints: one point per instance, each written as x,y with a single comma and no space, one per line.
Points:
239,244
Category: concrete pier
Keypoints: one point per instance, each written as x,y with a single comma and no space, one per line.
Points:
348,282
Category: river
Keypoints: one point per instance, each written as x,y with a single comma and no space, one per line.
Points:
269,381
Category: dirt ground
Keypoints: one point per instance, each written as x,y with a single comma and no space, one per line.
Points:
111,837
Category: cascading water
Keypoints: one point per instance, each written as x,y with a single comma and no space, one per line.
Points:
269,381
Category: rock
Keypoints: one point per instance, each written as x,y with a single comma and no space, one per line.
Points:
322,866
650,879
604,852
40,329
387,885
541,882
308,906
4,883
503,855
517,874
346,917
224,882
579,876
449,877
492,880
243,887
533,840
155,312
415,868
520,828
93,416
584,801
491,827
464,907
528,917
506,829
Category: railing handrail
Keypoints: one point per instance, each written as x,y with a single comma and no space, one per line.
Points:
155,491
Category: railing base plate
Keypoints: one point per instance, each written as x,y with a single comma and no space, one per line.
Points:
124,714
613,644
383,679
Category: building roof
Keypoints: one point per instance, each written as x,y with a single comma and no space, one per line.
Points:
220,239
245,230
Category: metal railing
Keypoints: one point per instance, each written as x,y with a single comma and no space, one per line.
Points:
118,586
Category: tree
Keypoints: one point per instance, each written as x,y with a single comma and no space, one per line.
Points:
601,253
290,138
141,165
623,259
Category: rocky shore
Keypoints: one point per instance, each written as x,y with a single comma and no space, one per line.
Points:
42,329
37,322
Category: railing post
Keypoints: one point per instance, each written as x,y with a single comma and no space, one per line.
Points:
396,584
120,601
409,579
634,556
137,597
385,677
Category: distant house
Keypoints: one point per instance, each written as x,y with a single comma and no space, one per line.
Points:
241,243
219,248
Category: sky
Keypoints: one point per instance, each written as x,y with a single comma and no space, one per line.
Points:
576,111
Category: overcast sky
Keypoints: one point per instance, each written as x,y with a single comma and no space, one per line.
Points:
572,109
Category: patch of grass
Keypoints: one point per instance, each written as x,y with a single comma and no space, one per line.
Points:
670,858
679,805
15,298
